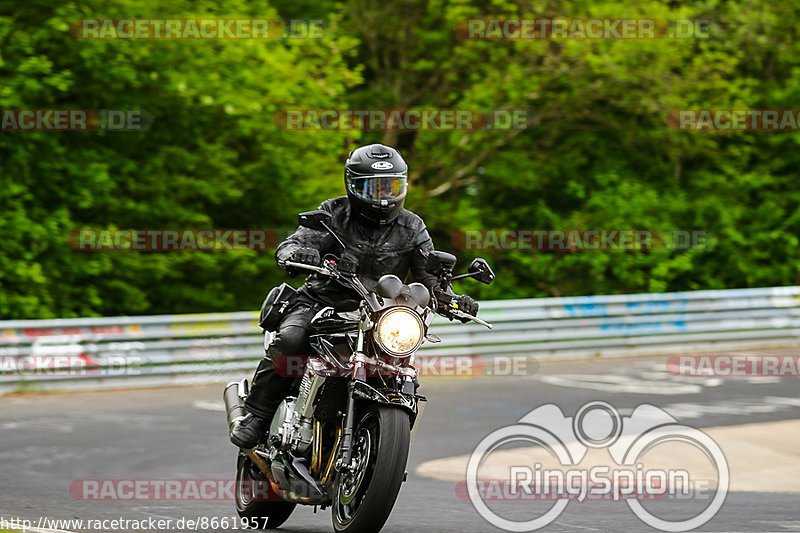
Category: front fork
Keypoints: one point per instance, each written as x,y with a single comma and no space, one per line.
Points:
349,421
359,374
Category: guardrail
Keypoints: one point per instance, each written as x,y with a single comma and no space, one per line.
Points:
95,353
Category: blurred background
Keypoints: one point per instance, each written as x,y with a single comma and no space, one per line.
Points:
601,155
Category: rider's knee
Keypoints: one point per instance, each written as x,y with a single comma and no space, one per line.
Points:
290,340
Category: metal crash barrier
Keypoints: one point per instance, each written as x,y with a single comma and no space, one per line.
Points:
118,352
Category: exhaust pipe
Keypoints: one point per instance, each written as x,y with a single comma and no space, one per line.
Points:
234,395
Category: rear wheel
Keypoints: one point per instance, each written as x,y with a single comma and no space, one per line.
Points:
256,502
364,498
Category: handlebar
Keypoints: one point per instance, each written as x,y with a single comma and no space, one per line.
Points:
325,271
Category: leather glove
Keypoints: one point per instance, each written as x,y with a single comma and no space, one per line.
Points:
466,304
307,256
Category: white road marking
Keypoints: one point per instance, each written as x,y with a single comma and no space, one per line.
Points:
576,526
786,526
648,378
209,406
666,376
624,384
763,380
736,406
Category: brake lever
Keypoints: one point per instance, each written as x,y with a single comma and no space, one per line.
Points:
461,314
318,269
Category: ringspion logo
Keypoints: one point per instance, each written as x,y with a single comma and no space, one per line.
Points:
618,469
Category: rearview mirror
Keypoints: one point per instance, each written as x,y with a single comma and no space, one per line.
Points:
480,270
439,262
315,220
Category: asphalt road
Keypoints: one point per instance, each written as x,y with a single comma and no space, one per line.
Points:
48,441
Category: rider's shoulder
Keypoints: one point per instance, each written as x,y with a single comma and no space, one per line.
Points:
334,205
339,208
410,220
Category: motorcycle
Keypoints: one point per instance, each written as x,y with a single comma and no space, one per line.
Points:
343,440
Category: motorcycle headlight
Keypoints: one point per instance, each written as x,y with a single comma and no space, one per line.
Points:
399,332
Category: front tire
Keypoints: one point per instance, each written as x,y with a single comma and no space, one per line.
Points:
251,490
364,499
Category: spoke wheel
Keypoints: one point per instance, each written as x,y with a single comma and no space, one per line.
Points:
364,495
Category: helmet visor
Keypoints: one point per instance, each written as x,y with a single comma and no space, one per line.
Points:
377,188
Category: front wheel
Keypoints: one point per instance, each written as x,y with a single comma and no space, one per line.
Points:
364,497
255,501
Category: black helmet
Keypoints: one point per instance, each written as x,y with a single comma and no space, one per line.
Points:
376,178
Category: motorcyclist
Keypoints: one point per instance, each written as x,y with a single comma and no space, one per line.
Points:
381,237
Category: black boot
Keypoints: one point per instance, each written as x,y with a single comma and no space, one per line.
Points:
247,432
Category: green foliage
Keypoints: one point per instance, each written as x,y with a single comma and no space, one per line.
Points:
600,156
212,158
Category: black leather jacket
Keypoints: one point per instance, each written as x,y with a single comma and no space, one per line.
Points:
398,248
